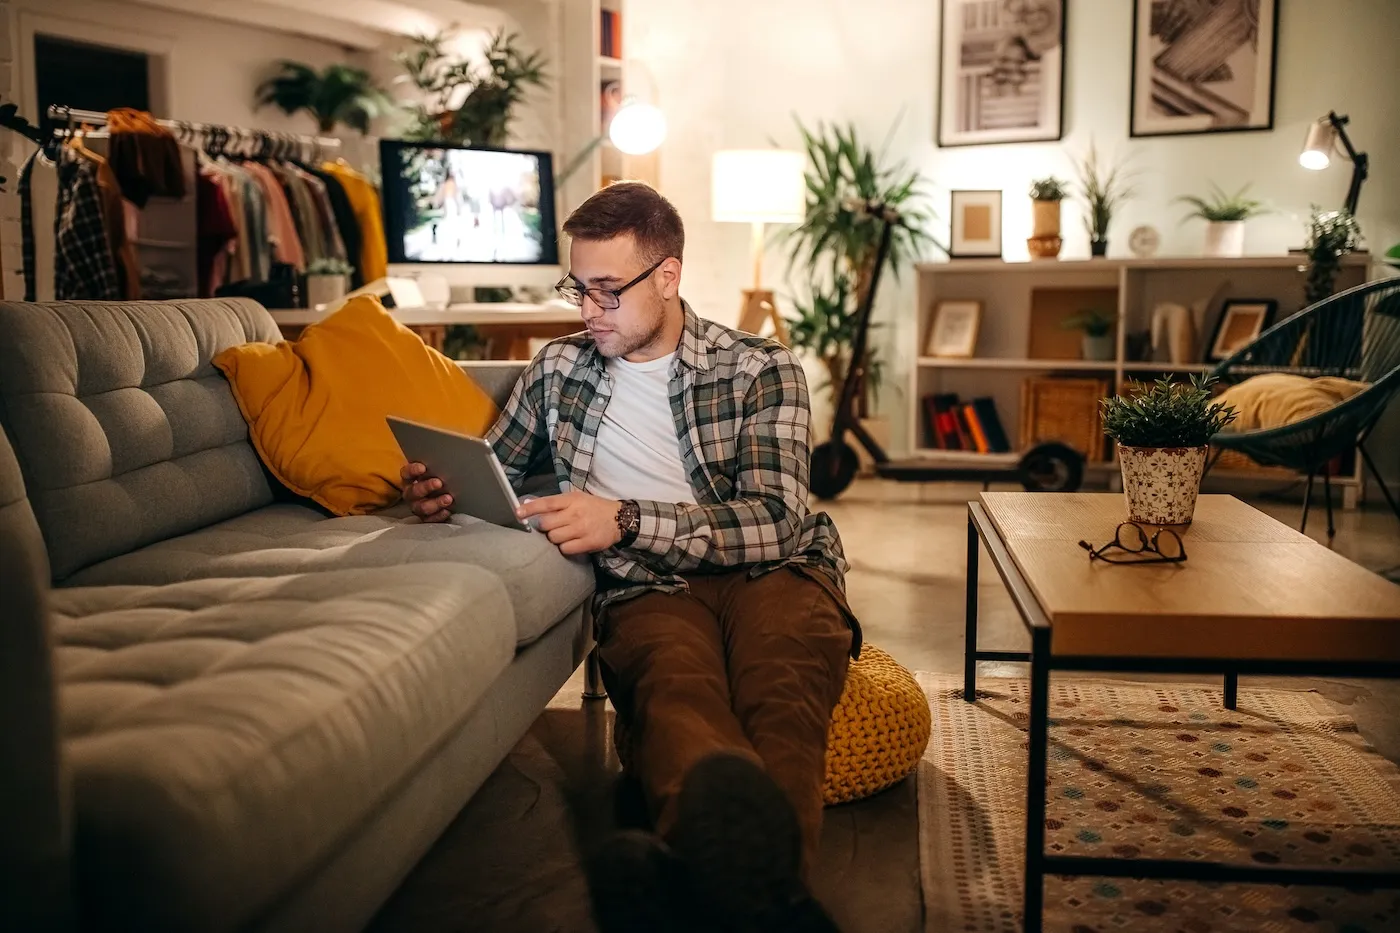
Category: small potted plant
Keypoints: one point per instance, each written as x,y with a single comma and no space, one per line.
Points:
1104,189
1163,436
327,281
1331,235
1046,195
1224,215
1097,326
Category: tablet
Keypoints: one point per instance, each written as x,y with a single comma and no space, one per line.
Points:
467,467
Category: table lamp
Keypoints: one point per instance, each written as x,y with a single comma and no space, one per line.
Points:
1322,140
759,186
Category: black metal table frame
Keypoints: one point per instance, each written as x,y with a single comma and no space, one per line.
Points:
981,530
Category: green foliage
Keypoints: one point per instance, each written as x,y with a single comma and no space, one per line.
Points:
1222,207
1093,321
492,88
339,94
824,326
1167,415
1104,189
1331,235
329,265
1049,189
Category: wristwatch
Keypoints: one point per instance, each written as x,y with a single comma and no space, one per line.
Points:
629,522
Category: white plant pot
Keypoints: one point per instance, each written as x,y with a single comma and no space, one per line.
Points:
1161,483
324,289
1098,349
1225,238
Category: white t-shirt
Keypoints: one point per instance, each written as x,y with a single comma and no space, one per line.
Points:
637,454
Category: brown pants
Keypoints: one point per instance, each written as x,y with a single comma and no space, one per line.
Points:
748,666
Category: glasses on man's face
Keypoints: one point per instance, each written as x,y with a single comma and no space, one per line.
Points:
1138,546
609,299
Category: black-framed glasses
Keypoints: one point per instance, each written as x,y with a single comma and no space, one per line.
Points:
609,299
1139,546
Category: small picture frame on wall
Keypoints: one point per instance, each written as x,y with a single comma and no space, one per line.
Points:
953,332
1241,322
1002,72
976,225
1203,67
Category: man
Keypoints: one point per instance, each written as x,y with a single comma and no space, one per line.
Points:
681,448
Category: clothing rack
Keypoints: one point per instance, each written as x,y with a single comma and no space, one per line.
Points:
213,137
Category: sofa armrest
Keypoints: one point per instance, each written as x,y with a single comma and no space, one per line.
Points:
495,377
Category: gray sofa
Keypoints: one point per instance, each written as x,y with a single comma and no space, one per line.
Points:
223,709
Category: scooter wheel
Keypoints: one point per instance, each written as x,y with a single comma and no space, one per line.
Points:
833,468
1051,467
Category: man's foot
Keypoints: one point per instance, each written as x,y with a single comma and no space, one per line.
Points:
635,885
738,835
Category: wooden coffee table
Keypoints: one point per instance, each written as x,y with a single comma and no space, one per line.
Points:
1253,597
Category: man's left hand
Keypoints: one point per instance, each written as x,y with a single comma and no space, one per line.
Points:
577,522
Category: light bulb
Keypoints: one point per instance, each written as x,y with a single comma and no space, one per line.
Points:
638,128
1314,159
1316,154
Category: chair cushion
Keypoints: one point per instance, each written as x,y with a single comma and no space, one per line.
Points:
543,585
225,736
1271,400
316,406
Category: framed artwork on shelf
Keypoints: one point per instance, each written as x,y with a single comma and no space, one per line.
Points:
1240,324
953,332
1002,72
976,227
1203,67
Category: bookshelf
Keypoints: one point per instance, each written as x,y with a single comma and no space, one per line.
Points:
1019,300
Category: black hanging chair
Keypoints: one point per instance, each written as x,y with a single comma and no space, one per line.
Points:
1355,335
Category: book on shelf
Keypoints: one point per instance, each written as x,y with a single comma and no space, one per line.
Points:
611,45
952,424
989,421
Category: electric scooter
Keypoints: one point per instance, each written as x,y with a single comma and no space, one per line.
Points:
1046,467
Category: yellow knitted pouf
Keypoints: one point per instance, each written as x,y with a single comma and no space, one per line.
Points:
878,730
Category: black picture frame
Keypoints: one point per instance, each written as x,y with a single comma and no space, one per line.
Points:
958,242
1214,352
1030,44
1138,125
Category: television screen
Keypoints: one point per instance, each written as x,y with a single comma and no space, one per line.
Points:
445,203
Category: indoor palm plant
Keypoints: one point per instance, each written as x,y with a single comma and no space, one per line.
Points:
1046,195
1163,436
1224,215
463,101
1104,189
834,248
338,94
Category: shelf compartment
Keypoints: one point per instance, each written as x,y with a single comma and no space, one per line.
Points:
1022,364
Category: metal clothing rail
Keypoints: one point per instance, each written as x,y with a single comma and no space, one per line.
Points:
184,128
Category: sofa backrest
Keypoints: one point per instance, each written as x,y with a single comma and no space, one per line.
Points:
34,802
124,431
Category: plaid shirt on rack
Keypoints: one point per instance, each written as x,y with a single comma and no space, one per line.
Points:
743,420
83,263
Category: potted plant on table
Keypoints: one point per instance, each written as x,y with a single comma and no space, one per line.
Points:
1097,326
1163,436
1046,195
1104,188
1224,215
327,280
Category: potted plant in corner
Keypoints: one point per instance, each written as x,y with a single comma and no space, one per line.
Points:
337,94
1224,215
326,281
1046,195
1097,326
1163,436
1104,189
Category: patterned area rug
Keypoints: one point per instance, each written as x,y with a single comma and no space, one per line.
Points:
1153,770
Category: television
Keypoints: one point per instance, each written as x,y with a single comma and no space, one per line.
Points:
459,205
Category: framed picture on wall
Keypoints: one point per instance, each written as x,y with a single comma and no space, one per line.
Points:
976,227
1240,324
953,331
1002,73
1203,67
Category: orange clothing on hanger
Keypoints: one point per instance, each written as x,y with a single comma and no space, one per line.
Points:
364,201
144,155
114,220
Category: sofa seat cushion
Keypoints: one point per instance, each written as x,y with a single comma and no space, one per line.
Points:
226,736
543,585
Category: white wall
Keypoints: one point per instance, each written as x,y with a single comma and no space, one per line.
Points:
732,73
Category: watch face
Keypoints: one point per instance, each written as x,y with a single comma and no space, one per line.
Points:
1144,241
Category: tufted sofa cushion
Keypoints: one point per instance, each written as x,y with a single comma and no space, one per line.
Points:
124,431
543,586
226,735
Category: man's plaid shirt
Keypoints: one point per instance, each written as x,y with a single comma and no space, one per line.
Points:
743,421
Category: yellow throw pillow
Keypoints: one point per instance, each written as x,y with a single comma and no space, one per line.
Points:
316,406
1271,400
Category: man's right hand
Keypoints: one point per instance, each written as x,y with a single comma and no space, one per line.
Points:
424,493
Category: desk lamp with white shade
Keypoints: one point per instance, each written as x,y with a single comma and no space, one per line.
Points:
759,186
1323,138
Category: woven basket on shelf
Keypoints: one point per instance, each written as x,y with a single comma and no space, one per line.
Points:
1065,410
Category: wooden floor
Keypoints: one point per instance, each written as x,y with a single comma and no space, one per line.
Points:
510,862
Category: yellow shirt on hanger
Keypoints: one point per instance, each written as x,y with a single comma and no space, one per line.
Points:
364,201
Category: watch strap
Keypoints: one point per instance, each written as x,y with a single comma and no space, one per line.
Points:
629,522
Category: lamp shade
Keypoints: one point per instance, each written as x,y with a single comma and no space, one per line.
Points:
637,128
1317,149
758,186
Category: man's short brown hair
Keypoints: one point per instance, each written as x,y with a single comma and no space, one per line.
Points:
630,207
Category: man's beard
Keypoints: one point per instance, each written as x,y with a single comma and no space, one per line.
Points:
615,343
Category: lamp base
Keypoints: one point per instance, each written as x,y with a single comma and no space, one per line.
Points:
759,306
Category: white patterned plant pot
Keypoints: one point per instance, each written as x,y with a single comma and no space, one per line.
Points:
1161,483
